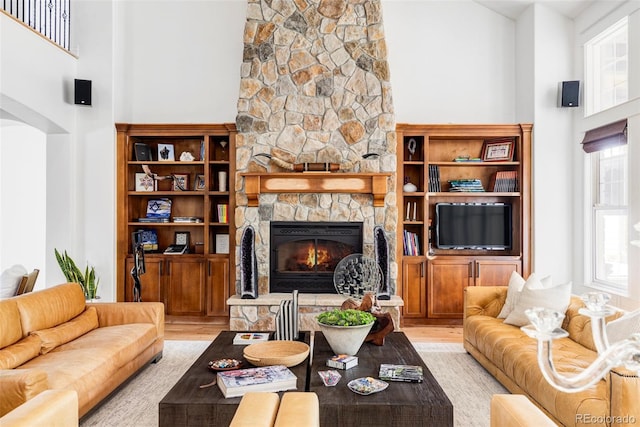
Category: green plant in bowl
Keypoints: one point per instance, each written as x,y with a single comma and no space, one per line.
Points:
348,317
345,330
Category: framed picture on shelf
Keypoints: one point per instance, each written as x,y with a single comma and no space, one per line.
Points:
182,238
199,183
497,150
180,182
143,152
145,182
166,153
222,243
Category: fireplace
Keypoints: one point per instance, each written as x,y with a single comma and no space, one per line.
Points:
303,255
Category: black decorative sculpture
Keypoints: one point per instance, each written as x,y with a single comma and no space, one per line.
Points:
138,264
248,265
382,258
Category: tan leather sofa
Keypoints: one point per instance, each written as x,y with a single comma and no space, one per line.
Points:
266,409
511,357
52,339
516,410
51,408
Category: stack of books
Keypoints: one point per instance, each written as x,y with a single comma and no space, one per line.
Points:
466,186
189,219
434,178
411,244
404,373
343,361
504,182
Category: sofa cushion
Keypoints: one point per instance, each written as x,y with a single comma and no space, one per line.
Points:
50,307
62,334
9,323
556,298
516,284
90,360
16,354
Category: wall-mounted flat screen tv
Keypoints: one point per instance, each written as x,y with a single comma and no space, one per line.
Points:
473,226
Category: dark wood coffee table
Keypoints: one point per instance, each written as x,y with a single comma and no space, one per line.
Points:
186,404
401,404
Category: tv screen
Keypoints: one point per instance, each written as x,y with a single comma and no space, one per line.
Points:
473,226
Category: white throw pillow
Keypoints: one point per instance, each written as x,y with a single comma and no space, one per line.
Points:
516,283
623,327
10,280
556,298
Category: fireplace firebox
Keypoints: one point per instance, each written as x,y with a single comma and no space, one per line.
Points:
303,255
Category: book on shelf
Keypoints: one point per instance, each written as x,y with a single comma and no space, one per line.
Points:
188,219
176,249
244,338
411,243
434,178
153,220
342,361
466,186
404,373
222,213
264,378
504,182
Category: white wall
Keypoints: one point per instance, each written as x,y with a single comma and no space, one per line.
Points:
450,62
553,146
23,197
178,62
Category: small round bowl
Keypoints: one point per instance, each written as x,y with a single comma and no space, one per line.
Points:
278,352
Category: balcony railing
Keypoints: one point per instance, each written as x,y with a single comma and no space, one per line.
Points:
51,18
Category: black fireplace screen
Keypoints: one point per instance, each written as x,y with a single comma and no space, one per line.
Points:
304,255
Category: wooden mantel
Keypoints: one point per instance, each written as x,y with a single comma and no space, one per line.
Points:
256,183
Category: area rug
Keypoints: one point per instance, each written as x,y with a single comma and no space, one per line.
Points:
467,384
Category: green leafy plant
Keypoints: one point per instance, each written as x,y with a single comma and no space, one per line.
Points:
73,274
348,317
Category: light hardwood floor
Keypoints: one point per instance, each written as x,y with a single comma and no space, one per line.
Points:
207,332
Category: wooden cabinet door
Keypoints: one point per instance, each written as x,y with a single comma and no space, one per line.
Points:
185,286
447,279
150,281
495,272
414,287
217,287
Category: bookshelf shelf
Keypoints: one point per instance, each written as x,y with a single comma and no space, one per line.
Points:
196,284
439,275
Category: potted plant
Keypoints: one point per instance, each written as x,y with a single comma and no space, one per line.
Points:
72,273
345,329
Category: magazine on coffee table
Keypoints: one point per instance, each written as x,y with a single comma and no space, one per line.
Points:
265,378
406,373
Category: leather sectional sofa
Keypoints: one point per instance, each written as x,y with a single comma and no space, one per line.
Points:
52,339
511,357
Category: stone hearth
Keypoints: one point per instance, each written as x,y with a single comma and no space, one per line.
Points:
259,314
314,88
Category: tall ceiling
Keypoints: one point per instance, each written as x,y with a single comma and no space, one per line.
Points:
513,8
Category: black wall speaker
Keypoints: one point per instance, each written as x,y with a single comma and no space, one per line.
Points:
570,94
82,92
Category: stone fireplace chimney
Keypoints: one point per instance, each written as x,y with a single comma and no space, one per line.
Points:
315,87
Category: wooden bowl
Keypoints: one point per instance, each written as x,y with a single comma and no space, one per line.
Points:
278,352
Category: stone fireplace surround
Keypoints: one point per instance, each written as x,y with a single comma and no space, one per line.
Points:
314,88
